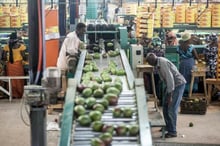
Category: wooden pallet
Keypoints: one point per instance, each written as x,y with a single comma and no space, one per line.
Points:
53,107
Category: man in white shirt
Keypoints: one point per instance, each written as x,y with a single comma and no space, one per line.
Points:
70,46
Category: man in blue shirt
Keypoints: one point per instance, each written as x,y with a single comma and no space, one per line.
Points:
175,84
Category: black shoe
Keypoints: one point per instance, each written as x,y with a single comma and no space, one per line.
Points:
169,135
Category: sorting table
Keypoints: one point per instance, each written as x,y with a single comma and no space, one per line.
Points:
8,79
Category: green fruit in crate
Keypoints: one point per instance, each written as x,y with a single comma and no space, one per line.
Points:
97,142
107,79
196,100
117,112
107,85
98,93
87,92
98,80
120,72
106,138
98,107
127,112
113,90
95,68
110,44
79,110
133,130
104,55
121,130
84,120
113,71
89,57
112,98
94,85
105,103
96,56
118,85
90,102
95,115
96,48
79,100
118,80
108,128
97,126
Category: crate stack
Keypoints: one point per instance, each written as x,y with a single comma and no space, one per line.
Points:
216,15
191,14
144,22
12,16
157,14
23,14
180,14
4,16
203,16
131,8
167,17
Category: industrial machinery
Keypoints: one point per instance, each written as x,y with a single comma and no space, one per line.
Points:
132,95
38,97
136,55
37,100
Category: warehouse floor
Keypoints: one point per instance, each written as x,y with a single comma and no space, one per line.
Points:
206,129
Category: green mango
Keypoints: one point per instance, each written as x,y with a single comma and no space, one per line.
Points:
113,90
120,72
98,93
84,120
97,126
87,92
90,102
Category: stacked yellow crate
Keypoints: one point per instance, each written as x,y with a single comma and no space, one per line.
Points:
130,8
191,14
23,14
204,18
15,21
144,22
180,13
167,16
14,17
5,16
4,21
216,15
157,14
157,18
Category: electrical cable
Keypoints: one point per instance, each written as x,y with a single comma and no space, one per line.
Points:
40,42
43,37
21,113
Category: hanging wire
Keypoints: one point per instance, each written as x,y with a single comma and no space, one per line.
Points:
27,111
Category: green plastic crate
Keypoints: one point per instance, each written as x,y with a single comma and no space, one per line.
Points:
174,58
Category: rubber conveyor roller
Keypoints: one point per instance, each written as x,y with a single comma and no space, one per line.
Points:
81,136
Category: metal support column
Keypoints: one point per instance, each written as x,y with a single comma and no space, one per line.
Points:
62,17
33,38
38,126
73,4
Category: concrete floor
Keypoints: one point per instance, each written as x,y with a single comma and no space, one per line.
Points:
206,129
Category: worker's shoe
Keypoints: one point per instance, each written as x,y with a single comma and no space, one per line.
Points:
169,135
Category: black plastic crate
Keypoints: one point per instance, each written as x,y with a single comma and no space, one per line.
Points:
193,106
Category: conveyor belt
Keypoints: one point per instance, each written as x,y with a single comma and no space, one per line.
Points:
81,136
